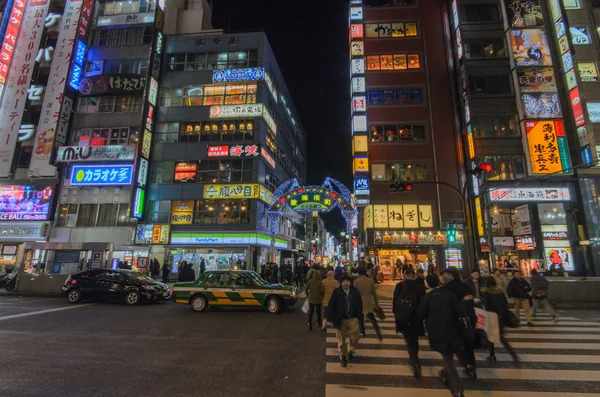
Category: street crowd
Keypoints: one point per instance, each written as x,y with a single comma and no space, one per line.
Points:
443,307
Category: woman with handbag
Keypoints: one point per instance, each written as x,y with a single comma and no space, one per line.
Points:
495,301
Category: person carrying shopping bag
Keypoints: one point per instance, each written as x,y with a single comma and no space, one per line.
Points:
495,301
314,296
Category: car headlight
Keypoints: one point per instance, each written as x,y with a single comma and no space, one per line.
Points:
294,293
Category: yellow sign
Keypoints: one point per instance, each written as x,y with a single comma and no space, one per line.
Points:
232,191
359,144
380,216
146,144
471,146
357,48
479,216
160,234
544,150
587,71
398,216
182,212
411,216
266,195
369,217
425,216
361,164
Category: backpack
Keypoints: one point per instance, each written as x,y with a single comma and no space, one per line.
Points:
405,306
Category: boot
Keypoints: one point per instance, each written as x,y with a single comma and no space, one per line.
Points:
344,362
309,326
470,370
492,358
417,371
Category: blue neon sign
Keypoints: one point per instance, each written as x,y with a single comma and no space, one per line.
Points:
361,186
80,53
102,175
250,74
75,77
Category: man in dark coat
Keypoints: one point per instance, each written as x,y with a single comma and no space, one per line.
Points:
202,266
407,298
518,289
475,284
166,271
441,310
344,310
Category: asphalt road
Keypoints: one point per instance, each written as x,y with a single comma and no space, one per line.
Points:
50,348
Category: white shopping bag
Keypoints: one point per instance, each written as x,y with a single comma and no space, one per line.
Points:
305,306
488,322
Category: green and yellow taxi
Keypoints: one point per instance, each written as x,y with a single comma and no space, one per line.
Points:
234,288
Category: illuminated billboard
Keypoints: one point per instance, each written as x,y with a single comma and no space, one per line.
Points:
25,203
530,47
536,80
548,149
102,175
228,75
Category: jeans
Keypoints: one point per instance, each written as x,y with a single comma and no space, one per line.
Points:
312,308
525,304
372,320
545,303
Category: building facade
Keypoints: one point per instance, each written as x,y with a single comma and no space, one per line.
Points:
404,132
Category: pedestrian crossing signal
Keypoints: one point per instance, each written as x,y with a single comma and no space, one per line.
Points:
451,233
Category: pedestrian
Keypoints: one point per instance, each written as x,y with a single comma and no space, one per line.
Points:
314,293
329,284
182,274
475,284
518,289
420,278
441,311
339,272
202,266
344,310
539,293
368,292
275,273
155,269
499,279
288,275
407,298
454,284
494,300
404,269
166,271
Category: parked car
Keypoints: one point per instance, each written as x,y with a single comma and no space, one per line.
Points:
234,288
114,285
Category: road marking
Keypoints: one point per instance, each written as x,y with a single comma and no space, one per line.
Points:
482,373
10,317
515,335
557,327
430,355
368,391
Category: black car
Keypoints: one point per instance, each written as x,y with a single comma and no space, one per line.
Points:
114,285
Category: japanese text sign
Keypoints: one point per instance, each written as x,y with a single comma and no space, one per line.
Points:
100,175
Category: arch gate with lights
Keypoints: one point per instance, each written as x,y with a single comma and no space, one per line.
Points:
306,199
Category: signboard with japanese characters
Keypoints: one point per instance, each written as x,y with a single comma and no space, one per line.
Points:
232,191
95,153
10,40
361,186
234,151
125,19
399,216
524,13
530,194
102,175
182,212
587,71
536,80
530,47
115,84
19,75
540,105
40,166
548,149
229,75
268,158
233,111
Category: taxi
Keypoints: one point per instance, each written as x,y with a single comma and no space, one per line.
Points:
234,288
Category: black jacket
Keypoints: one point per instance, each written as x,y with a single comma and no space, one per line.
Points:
495,301
413,325
441,309
337,303
420,281
518,289
471,284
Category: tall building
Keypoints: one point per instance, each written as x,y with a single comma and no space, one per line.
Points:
404,133
227,136
527,78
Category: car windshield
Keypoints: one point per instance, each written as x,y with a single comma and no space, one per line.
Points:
257,279
139,276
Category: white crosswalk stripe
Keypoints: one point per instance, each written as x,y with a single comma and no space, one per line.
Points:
556,359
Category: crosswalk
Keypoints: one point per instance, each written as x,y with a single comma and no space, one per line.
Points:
557,359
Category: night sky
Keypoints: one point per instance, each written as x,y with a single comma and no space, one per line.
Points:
310,42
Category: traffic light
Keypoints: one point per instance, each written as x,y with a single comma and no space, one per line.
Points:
401,187
451,233
482,168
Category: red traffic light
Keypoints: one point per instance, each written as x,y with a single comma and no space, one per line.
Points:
401,187
485,167
408,187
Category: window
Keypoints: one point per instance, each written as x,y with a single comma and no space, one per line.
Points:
84,215
107,215
389,3
87,215
224,171
393,62
161,171
110,104
221,212
217,131
395,96
484,48
395,29
399,172
94,67
158,211
122,37
489,85
271,182
127,7
210,95
105,136
124,219
505,167
221,60
116,66
478,13
495,126
397,132
66,214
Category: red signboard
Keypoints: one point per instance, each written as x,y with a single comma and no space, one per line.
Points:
218,151
10,38
234,151
268,158
576,106
84,21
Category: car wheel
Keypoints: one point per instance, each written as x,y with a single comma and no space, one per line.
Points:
199,303
132,298
274,305
74,296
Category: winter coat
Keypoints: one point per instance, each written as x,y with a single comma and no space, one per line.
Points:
420,281
314,289
495,301
441,310
166,270
366,287
329,284
343,306
471,284
518,289
413,324
539,286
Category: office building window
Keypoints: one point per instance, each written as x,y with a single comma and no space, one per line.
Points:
191,62
86,215
394,29
393,62
209,95
127,7
399,172
395,96
480,13
118,66
217,131
122,37
490,85
105,136
110,104
495,126
107,215
505,167
396,132
221,212
224,171
484,48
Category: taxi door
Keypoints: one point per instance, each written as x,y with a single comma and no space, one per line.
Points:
244,290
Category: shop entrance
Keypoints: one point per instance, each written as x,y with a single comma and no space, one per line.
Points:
214,258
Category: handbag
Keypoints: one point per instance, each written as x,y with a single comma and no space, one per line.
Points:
306,306
466,328
380,313
510,319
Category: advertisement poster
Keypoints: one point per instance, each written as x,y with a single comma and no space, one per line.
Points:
231,191
373,97
520,220
559,256
540,105
587,71
524,13
576,107
548,148
536,80
25,203
182,212
594,111
530,47
525,243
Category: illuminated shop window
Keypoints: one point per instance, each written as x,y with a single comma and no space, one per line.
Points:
127,7
396,132
395,29
399,172
190,62
219,212
110,104
505,168
105,136
231,130
495,126
209,95
484,48
395,96
393,62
